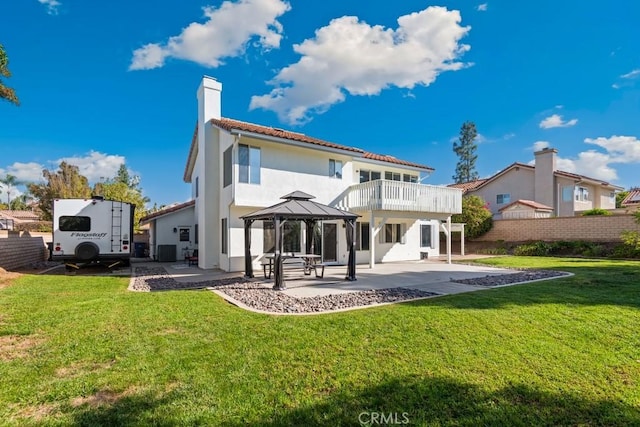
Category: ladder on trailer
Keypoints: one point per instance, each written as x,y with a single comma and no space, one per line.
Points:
116,227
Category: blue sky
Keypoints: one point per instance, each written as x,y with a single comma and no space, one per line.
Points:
101,84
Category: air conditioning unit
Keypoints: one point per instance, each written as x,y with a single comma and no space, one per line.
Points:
166,253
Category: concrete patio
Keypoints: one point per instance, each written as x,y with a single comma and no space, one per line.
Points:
428,275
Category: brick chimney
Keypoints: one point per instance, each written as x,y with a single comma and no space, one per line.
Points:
545,166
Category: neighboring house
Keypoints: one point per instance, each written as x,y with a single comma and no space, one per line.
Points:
172,226
564,193
236,168
525,209
632,200
10,218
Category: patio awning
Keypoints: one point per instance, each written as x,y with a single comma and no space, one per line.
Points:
298,206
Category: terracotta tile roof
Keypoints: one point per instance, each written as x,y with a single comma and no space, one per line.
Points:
633,198
468,186
19,216
529,203
236,125
168,210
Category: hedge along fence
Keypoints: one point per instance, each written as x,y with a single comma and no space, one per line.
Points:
587,228
19,250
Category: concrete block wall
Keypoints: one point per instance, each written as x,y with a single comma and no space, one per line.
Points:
587,228
22,249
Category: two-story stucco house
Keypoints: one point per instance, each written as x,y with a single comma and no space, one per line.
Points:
236,168
540,189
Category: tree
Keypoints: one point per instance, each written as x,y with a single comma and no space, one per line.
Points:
6,92
620,197
9,182
65,183
475,215
125,188
465,148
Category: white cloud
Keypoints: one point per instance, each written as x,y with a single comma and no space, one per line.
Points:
631,75
94,165
622,149
349,56
225,33
540,145
52,6
25,172
482,7
555,121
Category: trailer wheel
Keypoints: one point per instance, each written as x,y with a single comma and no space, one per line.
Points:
87,251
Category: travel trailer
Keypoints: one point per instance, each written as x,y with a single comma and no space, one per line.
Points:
92,230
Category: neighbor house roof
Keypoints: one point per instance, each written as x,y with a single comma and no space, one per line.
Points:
19,216
632,199
237,126
529,203
167,210
475,185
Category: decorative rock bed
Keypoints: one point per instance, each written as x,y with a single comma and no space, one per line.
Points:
508,279
259,297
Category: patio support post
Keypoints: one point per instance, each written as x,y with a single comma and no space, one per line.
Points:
462,240
278,281
372,241
351,242
449,240
248,262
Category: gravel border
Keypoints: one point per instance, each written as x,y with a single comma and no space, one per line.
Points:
495,280
256,296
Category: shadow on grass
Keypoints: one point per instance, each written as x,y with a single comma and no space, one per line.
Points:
441,401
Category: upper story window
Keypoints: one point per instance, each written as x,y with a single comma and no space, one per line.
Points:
503,199
366,176
612,197
567,193
197,185
226,168
248,164
409,178
582,194
335,168
392,176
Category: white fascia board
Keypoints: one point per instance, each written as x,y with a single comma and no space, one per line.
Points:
395,165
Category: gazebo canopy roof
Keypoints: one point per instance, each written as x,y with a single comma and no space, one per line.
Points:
298,205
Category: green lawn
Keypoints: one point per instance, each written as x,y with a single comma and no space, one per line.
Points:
80,350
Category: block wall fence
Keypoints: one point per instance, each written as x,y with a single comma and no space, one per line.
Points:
589,228
21,249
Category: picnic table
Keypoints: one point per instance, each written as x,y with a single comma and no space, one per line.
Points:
293,261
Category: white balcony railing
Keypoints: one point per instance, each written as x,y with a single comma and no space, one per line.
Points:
404,196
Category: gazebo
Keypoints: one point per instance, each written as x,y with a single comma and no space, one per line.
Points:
297,206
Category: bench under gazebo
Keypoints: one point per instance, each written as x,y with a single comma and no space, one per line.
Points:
297,206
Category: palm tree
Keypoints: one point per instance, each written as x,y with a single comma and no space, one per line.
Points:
10,182
6,92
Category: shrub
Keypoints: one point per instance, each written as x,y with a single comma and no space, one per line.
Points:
533,249
40,226
475,215
596,212
492,251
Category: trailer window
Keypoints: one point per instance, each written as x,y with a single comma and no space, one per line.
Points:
75,223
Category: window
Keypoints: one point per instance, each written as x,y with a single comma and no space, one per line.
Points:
567,193
184,235
223,234
612,197
249,164
409,178
290,237
392,233
362,236
392,176
366,176
227,168
335,168
503,199
582,194
74,223
425,235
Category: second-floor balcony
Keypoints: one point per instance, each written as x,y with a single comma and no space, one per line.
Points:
387,195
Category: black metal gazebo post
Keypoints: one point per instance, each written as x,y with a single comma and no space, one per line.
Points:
248,262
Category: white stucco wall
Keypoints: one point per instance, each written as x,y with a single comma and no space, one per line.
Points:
162,231
518,182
